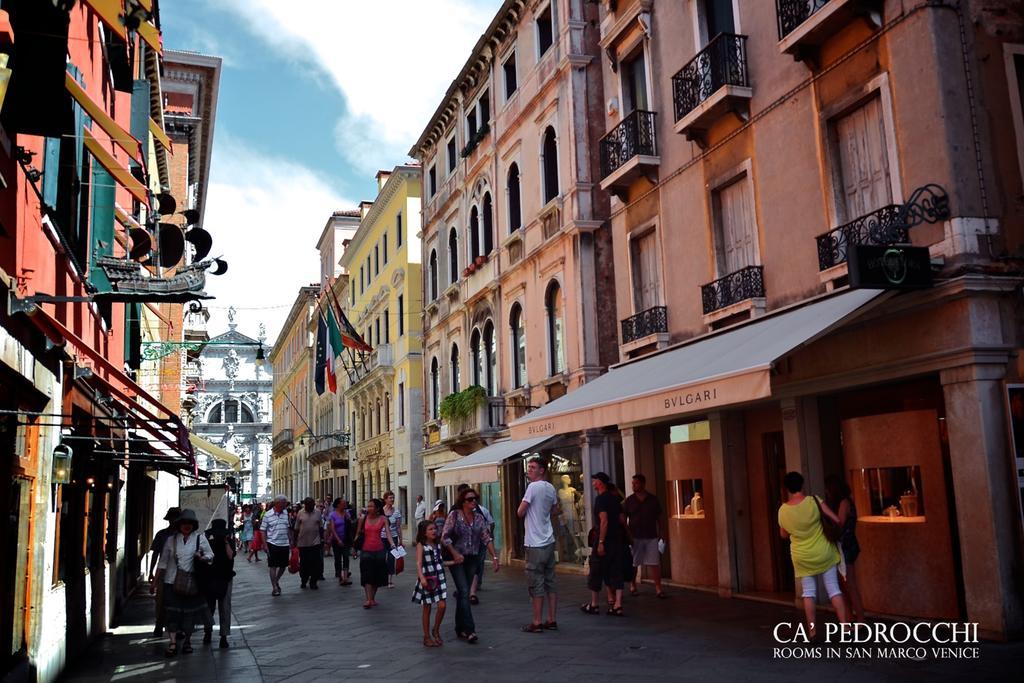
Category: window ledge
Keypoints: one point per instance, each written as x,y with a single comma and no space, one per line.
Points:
560,378
755,306
659,339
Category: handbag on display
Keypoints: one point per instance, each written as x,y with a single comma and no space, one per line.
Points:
185,583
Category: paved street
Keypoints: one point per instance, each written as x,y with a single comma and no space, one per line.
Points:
325,635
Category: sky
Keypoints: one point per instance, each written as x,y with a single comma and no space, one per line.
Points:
315,97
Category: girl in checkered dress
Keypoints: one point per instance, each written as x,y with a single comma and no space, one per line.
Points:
431,588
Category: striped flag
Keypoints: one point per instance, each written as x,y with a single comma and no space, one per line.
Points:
348,335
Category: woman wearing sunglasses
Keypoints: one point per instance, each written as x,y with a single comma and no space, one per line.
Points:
466,535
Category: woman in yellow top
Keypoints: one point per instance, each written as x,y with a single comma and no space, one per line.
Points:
813,554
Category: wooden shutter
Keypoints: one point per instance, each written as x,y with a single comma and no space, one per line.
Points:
737,228
646,285
863,160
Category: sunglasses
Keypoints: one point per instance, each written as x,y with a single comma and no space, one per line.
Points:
471,499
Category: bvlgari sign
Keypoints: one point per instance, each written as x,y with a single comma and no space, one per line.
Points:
873,266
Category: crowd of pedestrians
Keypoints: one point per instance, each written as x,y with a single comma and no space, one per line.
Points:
191,571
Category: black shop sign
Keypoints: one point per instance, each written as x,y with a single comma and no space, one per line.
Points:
873,266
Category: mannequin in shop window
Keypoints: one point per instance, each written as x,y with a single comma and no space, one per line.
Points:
570,501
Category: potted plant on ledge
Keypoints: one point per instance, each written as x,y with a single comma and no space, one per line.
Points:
458,406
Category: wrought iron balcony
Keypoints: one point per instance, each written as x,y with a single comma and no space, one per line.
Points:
714,82
805,24
745,283
883,226
644,324
888,225
628,150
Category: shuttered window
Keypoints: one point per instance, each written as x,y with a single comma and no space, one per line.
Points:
646,287
736,238
860,152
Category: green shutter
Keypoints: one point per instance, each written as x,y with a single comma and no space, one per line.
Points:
101,242
51,171
140,114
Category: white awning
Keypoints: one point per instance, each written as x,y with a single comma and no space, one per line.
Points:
723,368
482,467
216,452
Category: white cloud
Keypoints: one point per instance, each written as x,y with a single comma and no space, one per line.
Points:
265,215
392,61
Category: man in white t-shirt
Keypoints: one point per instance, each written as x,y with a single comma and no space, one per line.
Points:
421,510
539,505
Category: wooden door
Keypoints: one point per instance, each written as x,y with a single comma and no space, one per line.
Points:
773,446
863,158
737,244
646,280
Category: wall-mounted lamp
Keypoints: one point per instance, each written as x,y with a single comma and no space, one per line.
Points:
261,357
62,456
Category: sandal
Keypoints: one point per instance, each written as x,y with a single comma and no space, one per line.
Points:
551,625
472,638
532,628
428,642
171,651
661,595
634,592
615,612
437,636
589,609
473,600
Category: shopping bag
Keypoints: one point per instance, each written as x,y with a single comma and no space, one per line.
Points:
293,561
399,565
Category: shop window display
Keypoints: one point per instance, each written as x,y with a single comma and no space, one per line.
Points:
565,472
889,493
686,499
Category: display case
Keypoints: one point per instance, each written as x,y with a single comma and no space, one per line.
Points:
686,498
888,494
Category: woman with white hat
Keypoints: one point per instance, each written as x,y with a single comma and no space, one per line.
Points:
184,603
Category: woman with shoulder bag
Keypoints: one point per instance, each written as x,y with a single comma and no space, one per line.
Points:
466,535
184,603
373,567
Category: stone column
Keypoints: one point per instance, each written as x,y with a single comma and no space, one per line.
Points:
802,435
984,494
630,463
596,453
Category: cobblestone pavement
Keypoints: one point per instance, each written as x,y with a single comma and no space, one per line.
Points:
325,635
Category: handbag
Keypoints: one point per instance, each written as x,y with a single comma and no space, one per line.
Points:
357,542
399,565
293,561
833,532
185,583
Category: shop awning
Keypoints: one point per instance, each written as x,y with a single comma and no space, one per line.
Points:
482,467
110,12
120,173
161,136
168,435
724,368
123,138
216,452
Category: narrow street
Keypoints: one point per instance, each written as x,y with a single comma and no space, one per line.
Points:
324,635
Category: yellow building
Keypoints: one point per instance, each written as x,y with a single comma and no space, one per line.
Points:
383,388
292,359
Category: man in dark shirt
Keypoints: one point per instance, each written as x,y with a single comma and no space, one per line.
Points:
606,557
156,547
643,510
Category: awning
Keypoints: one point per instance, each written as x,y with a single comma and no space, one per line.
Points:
151,35
724,368
123,138
216,452
160,135
168,435
110,12
120,173
482,467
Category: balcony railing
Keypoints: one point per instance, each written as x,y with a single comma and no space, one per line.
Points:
888,225
745,283
634,136
283,440
723,62
652,321
792,13
883,226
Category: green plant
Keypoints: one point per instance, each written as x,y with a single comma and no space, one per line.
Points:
461,404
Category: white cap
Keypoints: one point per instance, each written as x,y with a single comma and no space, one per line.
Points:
438,504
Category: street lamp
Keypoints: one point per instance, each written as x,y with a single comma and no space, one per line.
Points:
260,356
62,455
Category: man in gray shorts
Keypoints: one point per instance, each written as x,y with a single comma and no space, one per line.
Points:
539,505
644,514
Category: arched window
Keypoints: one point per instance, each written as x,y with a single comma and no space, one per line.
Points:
453,256
231,411
435,389
549,160
556,340
476,351
474,233
518,346
488,221
433,274
490,359
456,373
247,414
515,209
216,415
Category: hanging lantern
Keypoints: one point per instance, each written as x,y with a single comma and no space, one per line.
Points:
62,456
